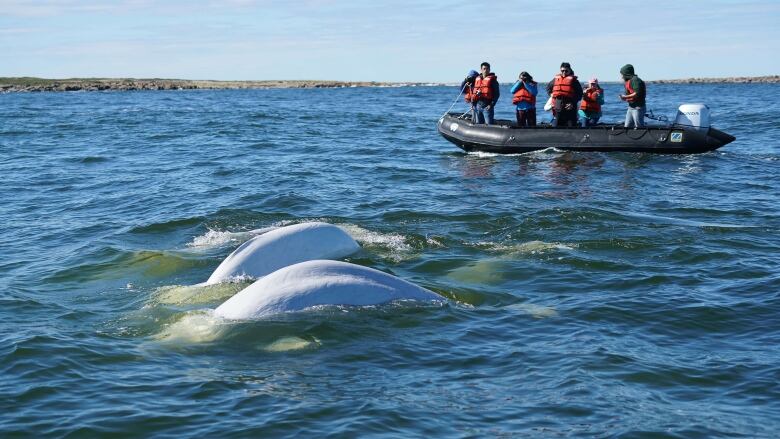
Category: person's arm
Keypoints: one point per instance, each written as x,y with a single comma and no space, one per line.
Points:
496,92
515,86
639,86
632,95
577,90
532,88
550,87
586,97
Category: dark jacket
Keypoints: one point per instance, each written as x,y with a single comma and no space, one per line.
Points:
469,81
558,103
627,71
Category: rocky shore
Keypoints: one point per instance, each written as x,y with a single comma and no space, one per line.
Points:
29,84
773,79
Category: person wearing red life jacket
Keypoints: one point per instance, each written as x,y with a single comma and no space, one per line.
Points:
524,97
592,100
486,92
635,96
566,92
467,89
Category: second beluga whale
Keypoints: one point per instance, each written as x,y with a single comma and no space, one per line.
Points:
282,247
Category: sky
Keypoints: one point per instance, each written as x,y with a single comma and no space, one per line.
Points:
398,41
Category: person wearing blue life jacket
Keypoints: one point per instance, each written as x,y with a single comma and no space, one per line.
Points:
486,95
524,97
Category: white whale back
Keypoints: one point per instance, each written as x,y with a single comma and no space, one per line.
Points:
285,246
313,283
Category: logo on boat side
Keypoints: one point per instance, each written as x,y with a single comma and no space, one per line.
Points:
677,137
453,127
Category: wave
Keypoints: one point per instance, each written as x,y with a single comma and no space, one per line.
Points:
395,246
114,264
219,238
168,226
196,294
525,248
535,311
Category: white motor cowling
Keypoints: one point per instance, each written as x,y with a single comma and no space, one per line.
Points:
695,115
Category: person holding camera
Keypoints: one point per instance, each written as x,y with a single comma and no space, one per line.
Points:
592,100
486,95
524,97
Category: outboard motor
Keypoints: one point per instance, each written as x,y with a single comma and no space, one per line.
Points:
693,115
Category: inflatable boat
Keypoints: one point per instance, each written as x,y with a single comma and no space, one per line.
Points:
690,133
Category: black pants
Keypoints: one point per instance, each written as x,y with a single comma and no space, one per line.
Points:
566,118
526,118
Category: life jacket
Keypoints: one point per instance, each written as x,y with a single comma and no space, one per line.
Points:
563,87
523,95
590,101
640,93
468,93
484,86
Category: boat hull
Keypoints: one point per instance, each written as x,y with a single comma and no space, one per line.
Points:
506,138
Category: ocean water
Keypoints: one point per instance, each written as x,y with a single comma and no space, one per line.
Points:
589,294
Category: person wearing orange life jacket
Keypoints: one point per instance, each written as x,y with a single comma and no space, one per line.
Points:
635,96
487,92
524,97
467,89
566,92
592,100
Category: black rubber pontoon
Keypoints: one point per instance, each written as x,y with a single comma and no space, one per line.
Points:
506,138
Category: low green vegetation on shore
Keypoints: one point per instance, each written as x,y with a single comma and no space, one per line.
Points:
32,84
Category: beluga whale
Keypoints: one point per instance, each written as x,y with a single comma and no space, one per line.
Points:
319,282
282,247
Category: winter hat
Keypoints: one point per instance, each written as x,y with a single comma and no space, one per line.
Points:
627,70
567,65
472,73
594,80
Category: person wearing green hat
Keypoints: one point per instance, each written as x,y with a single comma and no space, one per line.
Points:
635,96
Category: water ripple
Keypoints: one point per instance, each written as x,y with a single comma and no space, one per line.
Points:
589,294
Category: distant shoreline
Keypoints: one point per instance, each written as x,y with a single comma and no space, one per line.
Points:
30,84
773,79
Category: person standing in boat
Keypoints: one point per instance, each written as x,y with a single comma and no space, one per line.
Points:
486,92
635,96
467,89
524,96
592,100
566,92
